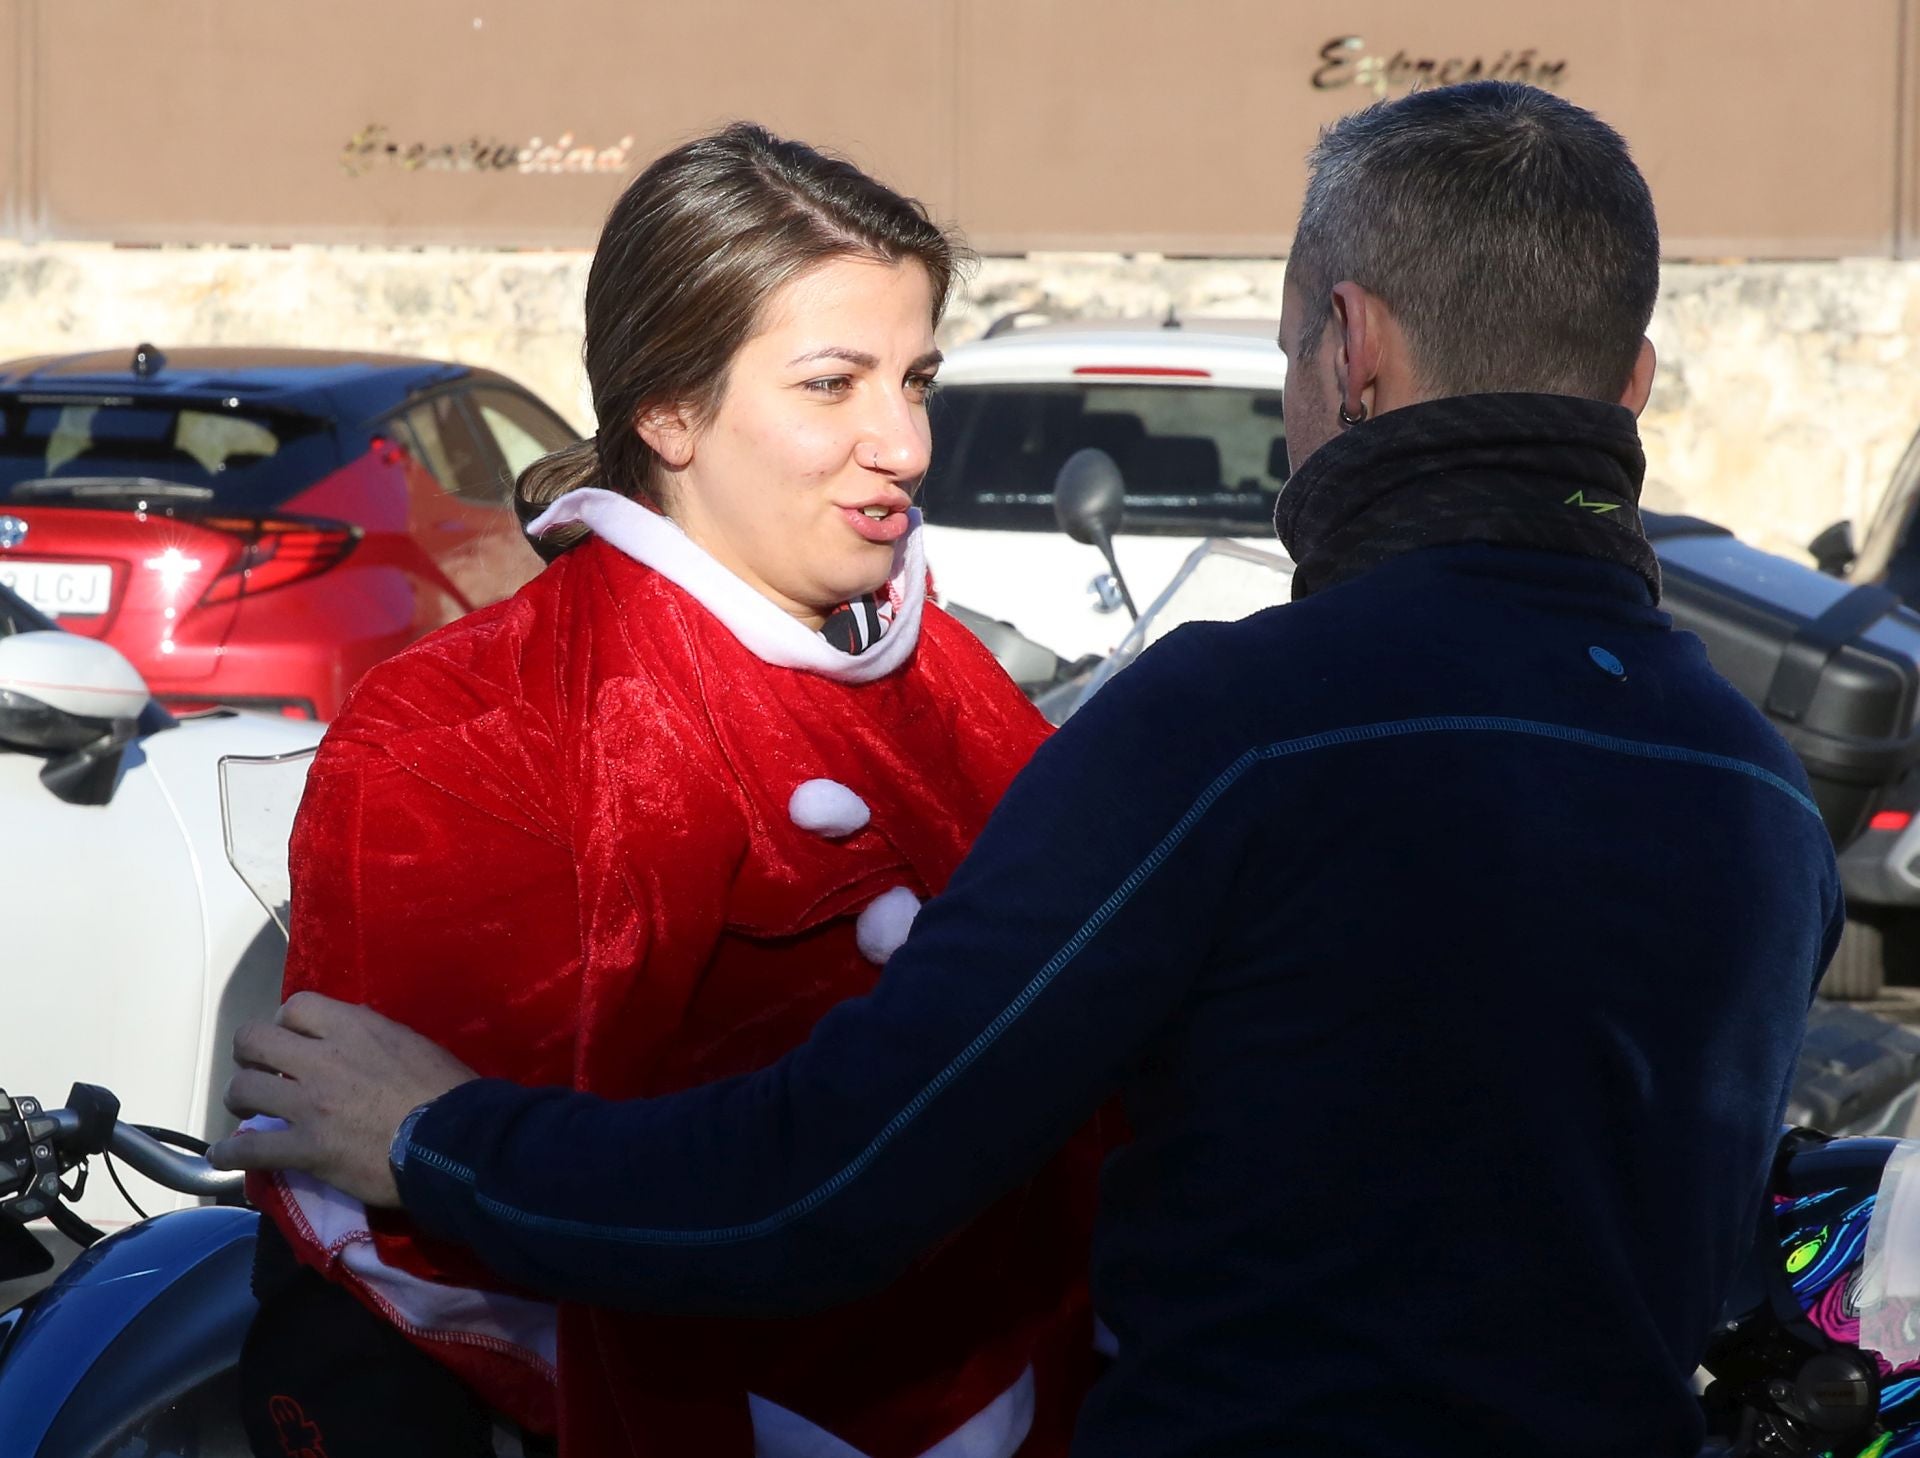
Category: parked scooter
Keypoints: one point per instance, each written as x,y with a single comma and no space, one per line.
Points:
1836,669
1220,581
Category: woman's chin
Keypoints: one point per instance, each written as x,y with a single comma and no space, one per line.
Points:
863,575
865,587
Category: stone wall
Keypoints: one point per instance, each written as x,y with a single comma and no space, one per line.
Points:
1786,394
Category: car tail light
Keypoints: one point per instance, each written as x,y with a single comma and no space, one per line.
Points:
1163,372
277,551
1891,820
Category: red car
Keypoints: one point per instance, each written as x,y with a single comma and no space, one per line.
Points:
258,527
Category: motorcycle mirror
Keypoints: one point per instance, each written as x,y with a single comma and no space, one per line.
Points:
1833,550
76,701
1089,496
1089,499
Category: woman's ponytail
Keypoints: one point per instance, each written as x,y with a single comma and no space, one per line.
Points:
546,481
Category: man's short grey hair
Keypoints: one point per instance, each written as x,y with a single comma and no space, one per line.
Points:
1508,230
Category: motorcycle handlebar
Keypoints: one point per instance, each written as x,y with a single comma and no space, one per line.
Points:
189,1174
177,1169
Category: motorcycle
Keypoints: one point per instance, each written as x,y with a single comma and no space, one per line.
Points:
133,1350
1818,1351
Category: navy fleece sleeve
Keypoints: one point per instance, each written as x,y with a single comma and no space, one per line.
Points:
1065,942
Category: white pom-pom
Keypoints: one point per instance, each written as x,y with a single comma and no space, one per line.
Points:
884,925
829,808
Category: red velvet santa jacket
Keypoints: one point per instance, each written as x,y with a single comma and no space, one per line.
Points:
632,830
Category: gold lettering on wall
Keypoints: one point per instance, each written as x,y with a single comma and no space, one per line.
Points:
372,146
1346,61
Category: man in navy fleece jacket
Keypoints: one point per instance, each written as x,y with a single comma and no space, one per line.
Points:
1448,931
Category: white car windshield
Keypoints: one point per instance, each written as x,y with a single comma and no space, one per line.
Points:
1198,460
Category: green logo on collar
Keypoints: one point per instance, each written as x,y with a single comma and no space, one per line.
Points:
1598,508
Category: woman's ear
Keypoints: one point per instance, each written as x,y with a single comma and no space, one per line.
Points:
668,434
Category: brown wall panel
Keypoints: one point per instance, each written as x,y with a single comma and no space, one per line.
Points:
16,102
1136,123
1907,181
1766,126
167,120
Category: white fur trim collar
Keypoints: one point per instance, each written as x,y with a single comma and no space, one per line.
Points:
766,631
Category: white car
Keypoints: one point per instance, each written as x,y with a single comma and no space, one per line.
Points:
131,947
1190,412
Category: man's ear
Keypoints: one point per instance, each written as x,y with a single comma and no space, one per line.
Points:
1640,382
1356,346
667,431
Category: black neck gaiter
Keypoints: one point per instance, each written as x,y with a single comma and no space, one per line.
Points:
1552,472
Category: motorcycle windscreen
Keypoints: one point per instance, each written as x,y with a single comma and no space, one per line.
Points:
259,796
1890,1265
1220,582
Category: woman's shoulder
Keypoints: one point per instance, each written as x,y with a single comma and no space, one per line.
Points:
527,710
532,670
477,666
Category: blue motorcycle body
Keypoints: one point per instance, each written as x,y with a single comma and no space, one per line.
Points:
131,1353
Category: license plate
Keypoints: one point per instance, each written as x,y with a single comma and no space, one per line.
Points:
61,589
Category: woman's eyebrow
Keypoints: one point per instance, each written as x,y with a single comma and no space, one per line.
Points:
860,359
857,357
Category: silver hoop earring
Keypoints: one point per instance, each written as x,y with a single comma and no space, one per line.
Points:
1351,420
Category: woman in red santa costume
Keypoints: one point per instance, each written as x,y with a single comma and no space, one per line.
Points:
642,824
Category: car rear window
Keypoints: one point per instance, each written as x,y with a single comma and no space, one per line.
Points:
1197,460
234,459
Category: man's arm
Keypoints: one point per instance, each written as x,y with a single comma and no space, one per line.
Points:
1064,945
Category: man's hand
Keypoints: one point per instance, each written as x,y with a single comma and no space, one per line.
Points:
343,1078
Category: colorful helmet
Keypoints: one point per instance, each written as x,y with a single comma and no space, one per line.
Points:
1820,1352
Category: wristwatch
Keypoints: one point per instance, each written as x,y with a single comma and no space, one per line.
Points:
397,1150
